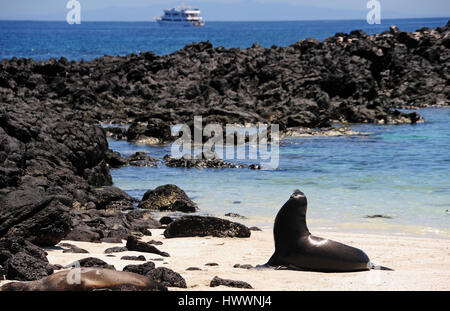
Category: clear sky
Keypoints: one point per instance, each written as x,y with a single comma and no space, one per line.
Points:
222,10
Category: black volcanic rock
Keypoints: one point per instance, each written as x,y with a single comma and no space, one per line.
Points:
111,240
11,246
140,159
109,225
235,215
142,269
135,258
116,249
47,162
117,133
162,275
134,244
85,234
193,269
254,228
22,260
167,198
187,162
91,262
24,267
40,218
113,198
74,249
167,277
216,281
50,162
165,220
115,160
189,226
244,266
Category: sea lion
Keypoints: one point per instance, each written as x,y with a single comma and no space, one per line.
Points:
88,279
295,247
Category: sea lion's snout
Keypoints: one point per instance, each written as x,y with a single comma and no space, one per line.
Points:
297,194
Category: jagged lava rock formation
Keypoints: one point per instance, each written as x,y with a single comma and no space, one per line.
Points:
347,77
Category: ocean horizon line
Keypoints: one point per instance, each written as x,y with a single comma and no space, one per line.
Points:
224,21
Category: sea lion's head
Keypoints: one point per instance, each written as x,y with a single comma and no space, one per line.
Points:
299,201
16,287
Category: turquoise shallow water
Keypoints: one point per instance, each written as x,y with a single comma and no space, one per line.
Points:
402,171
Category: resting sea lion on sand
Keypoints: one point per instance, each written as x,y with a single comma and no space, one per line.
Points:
88,279
295,247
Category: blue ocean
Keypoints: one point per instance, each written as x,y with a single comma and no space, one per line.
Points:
399,171
43,40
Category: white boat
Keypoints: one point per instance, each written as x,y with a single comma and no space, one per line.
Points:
181,16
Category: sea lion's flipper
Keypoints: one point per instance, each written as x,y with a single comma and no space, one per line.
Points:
373,266
272,261
264,267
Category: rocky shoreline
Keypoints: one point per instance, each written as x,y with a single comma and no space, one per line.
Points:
55,180
347,78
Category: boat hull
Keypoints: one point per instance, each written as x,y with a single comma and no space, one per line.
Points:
181,24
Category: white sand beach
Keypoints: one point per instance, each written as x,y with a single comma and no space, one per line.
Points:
419,263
